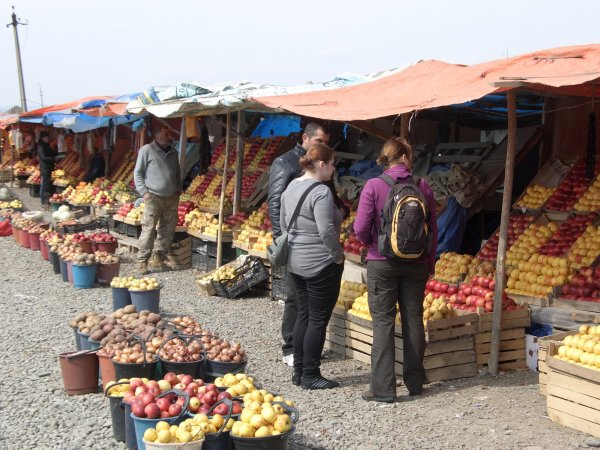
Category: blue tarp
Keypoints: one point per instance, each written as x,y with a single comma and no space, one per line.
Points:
451,227
277,125
79,122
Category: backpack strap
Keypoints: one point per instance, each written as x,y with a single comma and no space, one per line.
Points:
299,205
391,182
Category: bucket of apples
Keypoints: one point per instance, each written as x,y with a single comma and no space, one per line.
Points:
148,410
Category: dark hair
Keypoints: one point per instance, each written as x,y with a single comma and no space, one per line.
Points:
393,150
44,134
318,152
312,128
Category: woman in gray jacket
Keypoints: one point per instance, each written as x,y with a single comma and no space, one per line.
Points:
315,262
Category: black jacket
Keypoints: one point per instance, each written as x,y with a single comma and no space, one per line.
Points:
283,171
47,157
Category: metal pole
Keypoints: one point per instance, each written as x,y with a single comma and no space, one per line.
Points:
503,238
222,201
239,171
14,24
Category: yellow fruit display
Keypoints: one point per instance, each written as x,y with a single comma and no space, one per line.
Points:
481,268
586,248
192,429
436,308
451,267
261,420
197,220
535,196
136,213
230,381
226,272
350,291
529,242
538,275
121,282
582,348
590,200
143,284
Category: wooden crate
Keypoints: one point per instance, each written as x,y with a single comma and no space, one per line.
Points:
544,343
573,395
577,305
445,358
528,299
444,329
512,349
519,318
335,335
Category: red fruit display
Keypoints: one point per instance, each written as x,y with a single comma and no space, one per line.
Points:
516,225
584,286
479,293
353,245
182,210
566,235
570,189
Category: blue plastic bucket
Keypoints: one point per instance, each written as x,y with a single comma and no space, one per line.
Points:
55,261
64,270
77,340
120,298
146,300
130,438
84,276
141,425
84,341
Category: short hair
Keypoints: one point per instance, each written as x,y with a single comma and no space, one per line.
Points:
318,152
312,128
393,150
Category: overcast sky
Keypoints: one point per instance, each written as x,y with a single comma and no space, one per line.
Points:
72,49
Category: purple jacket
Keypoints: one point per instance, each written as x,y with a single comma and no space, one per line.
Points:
372,200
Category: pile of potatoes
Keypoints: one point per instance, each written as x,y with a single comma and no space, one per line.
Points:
84,322
106,258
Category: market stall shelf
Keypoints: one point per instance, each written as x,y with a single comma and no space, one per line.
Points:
544,343
573,394
577,305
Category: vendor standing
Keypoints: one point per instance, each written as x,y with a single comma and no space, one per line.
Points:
96,168
47,157
157,177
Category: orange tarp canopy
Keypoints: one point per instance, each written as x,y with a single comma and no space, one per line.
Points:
430,84
63,106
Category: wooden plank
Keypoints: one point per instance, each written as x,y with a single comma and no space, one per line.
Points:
542,367
358,336
506,315
573,369
576,385
513,344
575,397
523,322
334,329
511,355
435,348
571,408
359,356
517,333
440,335
512,365
340,340
576,423
451,373
578,305
527,299
443,359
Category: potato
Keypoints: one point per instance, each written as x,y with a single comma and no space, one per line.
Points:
118,313
107,328
129,309
153,318
73,324
97,335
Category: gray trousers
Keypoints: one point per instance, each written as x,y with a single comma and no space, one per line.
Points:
392,283
160,214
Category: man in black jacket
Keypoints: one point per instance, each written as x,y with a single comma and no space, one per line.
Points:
47,157
284,169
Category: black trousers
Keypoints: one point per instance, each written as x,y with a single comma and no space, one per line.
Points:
316,297
390,283
46,187
290,311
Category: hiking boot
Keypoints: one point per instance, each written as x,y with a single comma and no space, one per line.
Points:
368,396
142,268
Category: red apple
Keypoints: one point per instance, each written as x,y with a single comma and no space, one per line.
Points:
152,411
223,395
221,409
209,398
147,399
212,387
175,410
138,409
163,404
187,379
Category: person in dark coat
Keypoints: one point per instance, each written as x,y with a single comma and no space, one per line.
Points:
47,157
96,167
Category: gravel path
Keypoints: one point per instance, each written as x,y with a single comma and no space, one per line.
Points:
503,412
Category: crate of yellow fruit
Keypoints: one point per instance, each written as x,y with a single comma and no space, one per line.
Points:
573,380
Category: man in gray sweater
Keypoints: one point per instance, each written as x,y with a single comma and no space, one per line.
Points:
157,177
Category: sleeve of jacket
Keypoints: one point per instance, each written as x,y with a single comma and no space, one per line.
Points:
278,181
431,204
139,173
43,155
365,214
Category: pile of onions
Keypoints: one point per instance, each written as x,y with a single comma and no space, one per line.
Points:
132,355
178,350
222,350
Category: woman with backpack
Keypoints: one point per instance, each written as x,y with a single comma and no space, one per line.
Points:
315,261
396,218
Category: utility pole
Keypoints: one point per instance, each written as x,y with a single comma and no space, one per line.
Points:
14,24
41,95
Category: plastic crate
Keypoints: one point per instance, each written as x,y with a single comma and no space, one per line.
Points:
121,228
133,231
34,190
202,262
100,224
279,289
251,273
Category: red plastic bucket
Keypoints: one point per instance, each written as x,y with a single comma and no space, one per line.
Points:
106,272
34,241
44,250
108,247
80,372
24,238
16,234
87,246
70,272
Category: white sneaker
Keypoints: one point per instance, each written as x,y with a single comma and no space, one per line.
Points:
288,359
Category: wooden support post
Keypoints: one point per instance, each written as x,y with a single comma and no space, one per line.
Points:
182,147
404,122
223,186
503,238
239,171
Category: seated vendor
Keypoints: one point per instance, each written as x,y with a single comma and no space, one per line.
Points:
96,167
